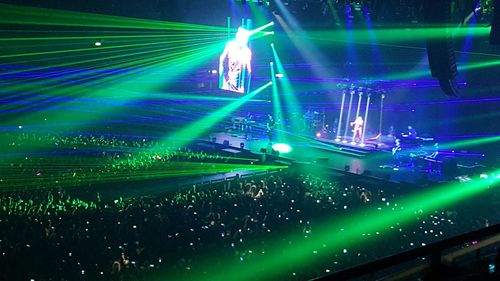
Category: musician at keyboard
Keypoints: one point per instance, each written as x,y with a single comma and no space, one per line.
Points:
411,133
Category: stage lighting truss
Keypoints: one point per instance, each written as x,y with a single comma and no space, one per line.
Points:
311,11
265,3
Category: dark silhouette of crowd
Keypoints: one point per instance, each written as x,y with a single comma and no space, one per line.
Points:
35,160
56,233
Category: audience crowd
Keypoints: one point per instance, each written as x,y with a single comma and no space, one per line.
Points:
34,160
76,234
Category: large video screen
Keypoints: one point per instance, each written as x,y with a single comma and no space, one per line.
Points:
235,63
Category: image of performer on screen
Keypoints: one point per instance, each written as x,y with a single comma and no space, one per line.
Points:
358,129
235,61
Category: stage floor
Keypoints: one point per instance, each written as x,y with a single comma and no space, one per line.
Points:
373,160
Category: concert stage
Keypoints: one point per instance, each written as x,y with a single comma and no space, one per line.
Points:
373,160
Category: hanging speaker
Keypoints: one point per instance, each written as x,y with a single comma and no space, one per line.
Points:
495,25
440,49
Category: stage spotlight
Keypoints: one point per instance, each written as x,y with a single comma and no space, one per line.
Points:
97,44
279,75
272,44
282,147
213,71
318,134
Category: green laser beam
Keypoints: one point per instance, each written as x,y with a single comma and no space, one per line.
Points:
191,132
26,15
332,235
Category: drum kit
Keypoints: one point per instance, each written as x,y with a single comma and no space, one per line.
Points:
242,123
315,123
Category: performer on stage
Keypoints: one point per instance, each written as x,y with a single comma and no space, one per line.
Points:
358,129
412,133
396,153
270,127
233,62
307,118
433,166
435,153
248,122
392,132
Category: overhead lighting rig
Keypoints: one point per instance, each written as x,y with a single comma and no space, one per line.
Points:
258,2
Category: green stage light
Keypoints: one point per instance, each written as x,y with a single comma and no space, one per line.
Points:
305,46
471,142
495,61
288,94
333,233
282,147
15,14
94,60
257,30
479,65
91,49
183,60
277,108
258,14
16,180
199,127
391,35
134,35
